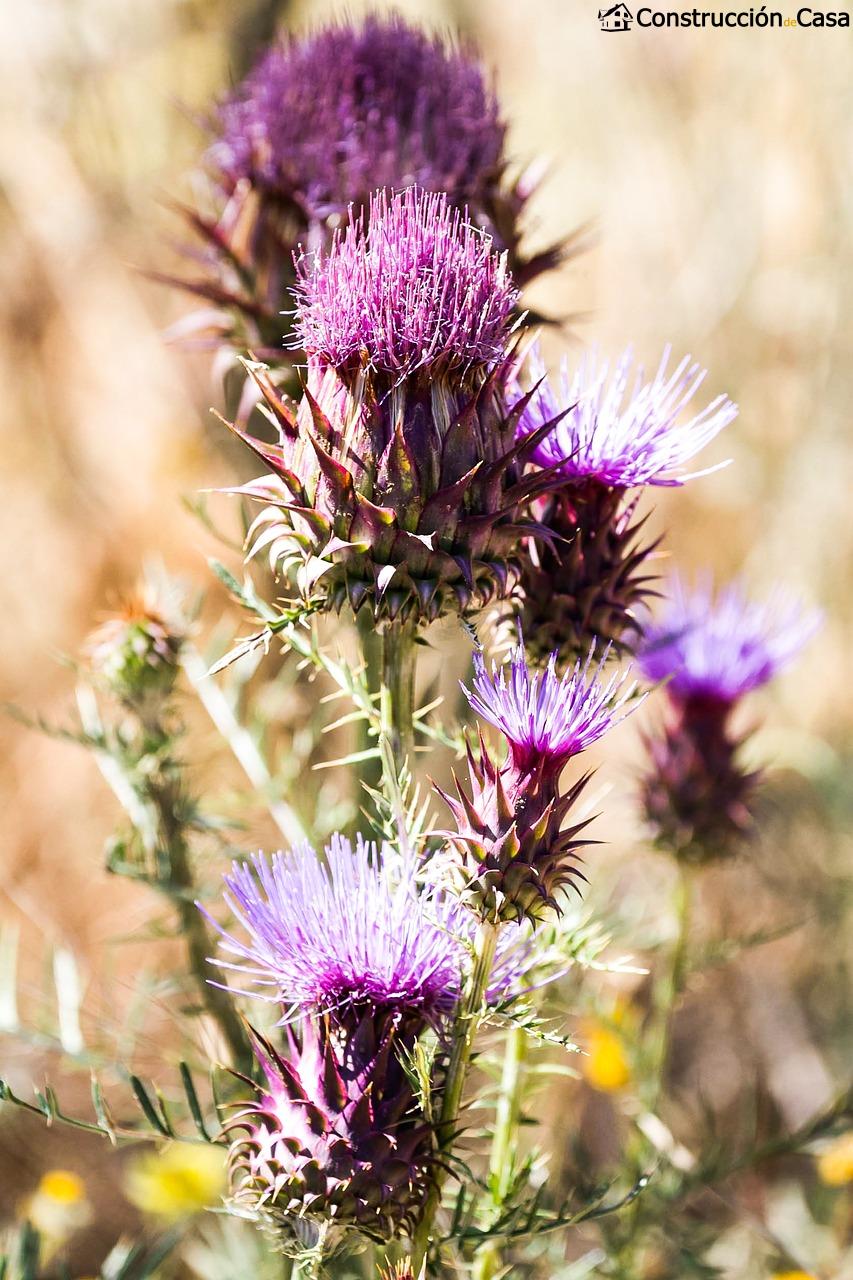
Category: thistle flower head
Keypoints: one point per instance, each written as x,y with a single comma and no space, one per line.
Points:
347,930
618,430
323,120
414,287
352,931
718,647
547,718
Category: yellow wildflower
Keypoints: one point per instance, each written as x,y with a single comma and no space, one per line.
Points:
605,1065
178,1182
835,1163
793,1275
57,1207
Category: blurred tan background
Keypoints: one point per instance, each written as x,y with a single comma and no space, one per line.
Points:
717,167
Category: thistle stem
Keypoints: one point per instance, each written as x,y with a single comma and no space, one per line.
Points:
502,1161
508,1114
216,1001
672,986
154,811
370,643
466,1024
397,691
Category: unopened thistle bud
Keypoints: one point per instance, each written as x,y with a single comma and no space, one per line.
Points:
614,435
712,650
400,477
511,852
136,653
320,123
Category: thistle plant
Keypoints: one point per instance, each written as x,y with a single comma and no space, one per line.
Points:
512,849
364,981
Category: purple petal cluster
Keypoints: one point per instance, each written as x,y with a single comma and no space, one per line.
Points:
350,929
619,430
413,286
324,120
545,717
718,647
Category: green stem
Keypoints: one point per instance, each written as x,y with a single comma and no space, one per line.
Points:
669,990
397,691
503,1159
466,1024
508,1114
370,643
181,885
154,812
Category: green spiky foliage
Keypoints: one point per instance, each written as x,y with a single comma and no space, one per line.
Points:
406,503
510,854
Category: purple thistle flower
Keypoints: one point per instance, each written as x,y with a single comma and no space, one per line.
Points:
620,431
416,287
718,648
353,930
323,120
547,718
403,484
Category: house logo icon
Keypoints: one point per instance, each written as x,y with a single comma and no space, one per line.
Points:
617,18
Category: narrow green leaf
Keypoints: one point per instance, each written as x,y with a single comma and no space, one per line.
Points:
193,1102
148,1107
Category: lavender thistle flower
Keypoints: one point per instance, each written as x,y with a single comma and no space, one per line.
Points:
620,442
370,959
719,648
349,930
612,436
713,650
510,852
547,718
399,480
418,288
320,123
350,933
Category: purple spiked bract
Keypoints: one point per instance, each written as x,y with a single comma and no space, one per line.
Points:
547,718
413,287
333,1136
718,647
620,437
